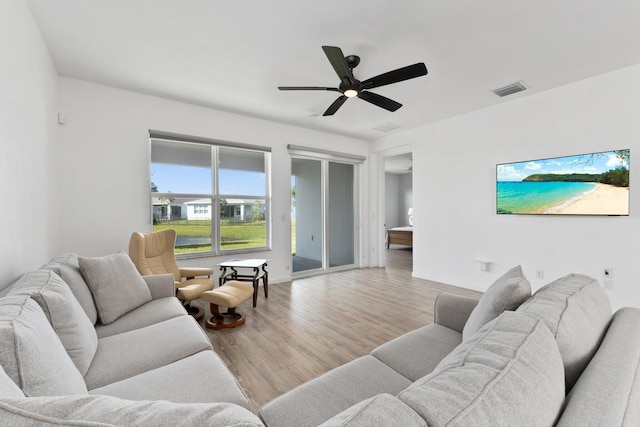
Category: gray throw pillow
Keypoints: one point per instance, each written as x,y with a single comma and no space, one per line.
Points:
67,267
115,284
506,293
31,352
64,312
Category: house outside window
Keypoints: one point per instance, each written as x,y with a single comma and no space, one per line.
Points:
214,194
201,210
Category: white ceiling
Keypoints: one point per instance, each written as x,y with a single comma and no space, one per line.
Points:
232,55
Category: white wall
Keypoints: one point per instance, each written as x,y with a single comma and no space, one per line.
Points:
27,125
103,165
392,200
398,199
455,160
406,197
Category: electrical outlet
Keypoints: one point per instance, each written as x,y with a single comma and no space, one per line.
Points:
540,274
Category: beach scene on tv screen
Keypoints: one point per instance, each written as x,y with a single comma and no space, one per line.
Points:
585,184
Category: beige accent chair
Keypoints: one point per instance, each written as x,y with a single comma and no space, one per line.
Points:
154,253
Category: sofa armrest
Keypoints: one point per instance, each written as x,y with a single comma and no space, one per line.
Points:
608,391
161,285
452,311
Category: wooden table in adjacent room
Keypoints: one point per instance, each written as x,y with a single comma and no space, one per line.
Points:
259,266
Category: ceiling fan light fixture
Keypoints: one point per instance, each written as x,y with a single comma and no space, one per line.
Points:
350,93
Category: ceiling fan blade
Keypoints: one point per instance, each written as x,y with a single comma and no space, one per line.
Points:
379,100
401,74
336,58
332,89
335,106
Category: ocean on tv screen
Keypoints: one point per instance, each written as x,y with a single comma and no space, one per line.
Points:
521,197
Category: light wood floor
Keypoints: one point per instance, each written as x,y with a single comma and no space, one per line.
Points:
312,325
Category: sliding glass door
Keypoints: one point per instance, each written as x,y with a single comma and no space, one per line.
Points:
323,215
340,214
306,215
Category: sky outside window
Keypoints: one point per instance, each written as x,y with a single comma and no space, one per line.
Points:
196,180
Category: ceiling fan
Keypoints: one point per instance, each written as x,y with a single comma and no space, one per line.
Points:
351,87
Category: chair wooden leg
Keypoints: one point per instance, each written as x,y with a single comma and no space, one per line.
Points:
217,320
196,312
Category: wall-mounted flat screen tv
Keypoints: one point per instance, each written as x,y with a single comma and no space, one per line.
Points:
586,184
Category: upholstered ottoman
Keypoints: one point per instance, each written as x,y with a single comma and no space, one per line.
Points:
230,295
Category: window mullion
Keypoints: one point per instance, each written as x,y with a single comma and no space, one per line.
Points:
215,201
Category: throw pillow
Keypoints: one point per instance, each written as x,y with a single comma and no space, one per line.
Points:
577,311
506,293
64,312
509,373
32,354
116,285
67,267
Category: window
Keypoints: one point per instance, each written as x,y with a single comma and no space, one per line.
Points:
201,209
214,194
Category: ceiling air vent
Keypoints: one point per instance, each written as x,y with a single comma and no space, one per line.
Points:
387,127
510,89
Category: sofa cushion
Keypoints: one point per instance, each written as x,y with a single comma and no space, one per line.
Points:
508,373
382,410
7,387
31,352
64,312
608,391
131,353
318,400
67,267
506,293
577,311
200,378
150,313
91,411
115,284
416,353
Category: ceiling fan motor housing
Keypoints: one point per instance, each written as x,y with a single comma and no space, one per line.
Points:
352,61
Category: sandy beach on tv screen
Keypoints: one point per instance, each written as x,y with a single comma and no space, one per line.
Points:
604,200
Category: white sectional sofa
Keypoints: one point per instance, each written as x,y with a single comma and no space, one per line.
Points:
89,339
510,359
78,348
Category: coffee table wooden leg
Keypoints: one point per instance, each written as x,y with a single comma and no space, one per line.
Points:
265,280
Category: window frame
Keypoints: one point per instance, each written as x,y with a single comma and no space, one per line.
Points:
215,196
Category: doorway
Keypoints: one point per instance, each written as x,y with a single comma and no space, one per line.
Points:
323,231
398,171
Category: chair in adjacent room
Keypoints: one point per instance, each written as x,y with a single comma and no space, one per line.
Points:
154,253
